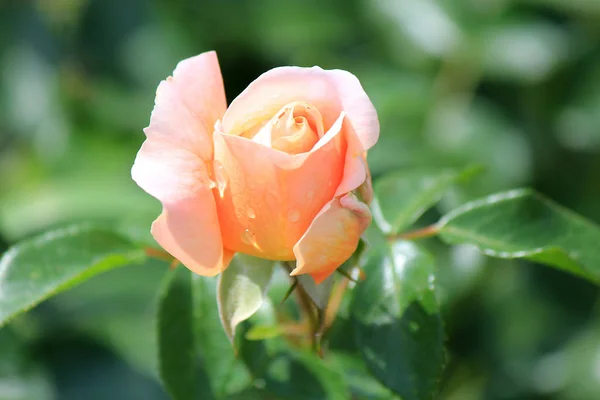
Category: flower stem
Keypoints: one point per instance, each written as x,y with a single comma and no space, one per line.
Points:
428,231
303,299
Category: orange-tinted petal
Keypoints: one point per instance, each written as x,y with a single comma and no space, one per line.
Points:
191,239
272,197
332,237
355,167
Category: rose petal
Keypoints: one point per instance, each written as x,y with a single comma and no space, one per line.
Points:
332,237
272,197
330,91
188,105
355,168
171,165
295,129
188,228
192,239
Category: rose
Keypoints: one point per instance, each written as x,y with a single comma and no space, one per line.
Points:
272,176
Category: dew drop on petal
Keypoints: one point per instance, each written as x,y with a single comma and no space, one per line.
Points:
248,237
220,178
250,212
293,215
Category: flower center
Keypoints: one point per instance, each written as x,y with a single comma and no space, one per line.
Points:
295,129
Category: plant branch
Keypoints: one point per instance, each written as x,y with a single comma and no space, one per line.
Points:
422,233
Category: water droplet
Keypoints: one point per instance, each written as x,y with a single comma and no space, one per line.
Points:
293,215
251,213
220,178
413,326
310,194
211,184
249,238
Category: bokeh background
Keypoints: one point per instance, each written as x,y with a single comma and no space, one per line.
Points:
510,84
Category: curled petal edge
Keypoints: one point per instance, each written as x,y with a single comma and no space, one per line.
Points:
332,237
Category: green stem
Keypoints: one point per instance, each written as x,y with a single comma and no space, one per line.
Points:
428,231
303,299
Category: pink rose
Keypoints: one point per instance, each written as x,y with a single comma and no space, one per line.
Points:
271,176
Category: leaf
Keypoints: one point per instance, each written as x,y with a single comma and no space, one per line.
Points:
297,375
227,374
524,224
39,268
176,358
242,289
21,378
361,383
402,197
396,320
284,372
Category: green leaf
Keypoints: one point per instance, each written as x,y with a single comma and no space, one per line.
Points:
176,358
227,374
361,383
403,196
39,268
524,224
396,320
297,375
242,289
20,377
285,372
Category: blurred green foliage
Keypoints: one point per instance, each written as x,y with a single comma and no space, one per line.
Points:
510,84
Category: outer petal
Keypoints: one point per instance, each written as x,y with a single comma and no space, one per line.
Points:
272,197
331,91
188,105
171,164
332,237
188,228
355,167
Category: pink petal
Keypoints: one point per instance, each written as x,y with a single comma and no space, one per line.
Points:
330,91
188,105
171,165
192,239
332,237
188,228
